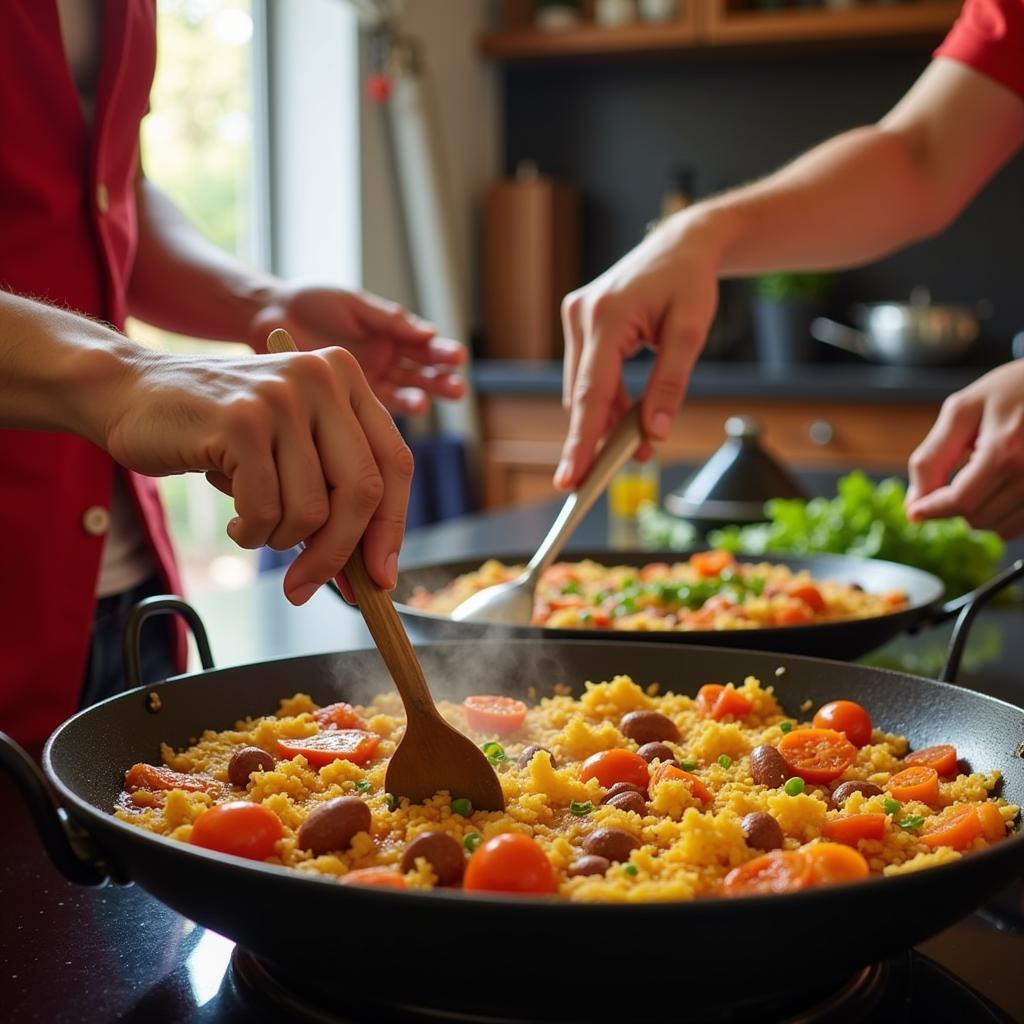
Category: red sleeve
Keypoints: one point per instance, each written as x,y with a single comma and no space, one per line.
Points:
989,37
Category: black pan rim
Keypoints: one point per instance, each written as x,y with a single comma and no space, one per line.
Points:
915,610
453,900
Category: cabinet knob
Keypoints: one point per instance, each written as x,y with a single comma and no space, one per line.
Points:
821,433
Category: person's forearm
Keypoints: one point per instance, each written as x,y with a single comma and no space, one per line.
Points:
58,370
183,283
850,200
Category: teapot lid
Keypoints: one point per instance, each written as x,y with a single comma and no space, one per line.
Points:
736,481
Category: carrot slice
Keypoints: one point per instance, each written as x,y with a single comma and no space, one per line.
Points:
916,783
711,563
338,716
810,595
774,872
707,695
817,755
941,757
157,777
729,702
958,828
355,745
851,828
835,862
502,715
380,877
671,771
992,823
616,765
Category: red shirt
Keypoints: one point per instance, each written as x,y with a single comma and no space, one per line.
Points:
989,37
68,235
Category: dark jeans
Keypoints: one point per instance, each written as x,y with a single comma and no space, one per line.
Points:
104,670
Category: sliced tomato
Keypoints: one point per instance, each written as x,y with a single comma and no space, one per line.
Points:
810,595
711,563
707,695
671,771
502,715
941,757
817,755
919,782
832,863
774,872
241,828
379,877
156,777
355,745
339,716
616,765
957,828
851,828
729,702
510,862
796,614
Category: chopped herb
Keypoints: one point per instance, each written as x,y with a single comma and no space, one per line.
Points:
667,593
580,808
472,840
631,869
794,786
891,806
725,761
756,586
913,821
495,753
629,581
571,587
602,596
688,766
625,607
785,726
364,786
389,799
586,616
462,806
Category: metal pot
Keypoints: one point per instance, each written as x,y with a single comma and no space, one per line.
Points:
905,334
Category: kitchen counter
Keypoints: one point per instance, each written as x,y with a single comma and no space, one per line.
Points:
69,954
835,381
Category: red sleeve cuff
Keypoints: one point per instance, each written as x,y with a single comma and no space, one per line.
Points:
989,37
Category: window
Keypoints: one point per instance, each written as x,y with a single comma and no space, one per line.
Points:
200,144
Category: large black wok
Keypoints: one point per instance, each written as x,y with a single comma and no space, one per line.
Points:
591,962
844,640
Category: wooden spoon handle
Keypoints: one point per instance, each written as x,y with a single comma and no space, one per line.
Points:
390,637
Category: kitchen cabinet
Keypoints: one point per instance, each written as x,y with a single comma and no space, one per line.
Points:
712,27
523,433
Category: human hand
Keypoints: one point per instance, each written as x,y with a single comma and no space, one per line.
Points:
983,423
298,440
404,361
662,294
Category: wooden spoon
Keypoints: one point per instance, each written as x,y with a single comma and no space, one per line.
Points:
432,755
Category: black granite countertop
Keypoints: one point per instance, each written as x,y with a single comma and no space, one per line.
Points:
834,381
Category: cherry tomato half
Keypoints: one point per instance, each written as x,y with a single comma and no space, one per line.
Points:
241,828
511,862
338,716
616,765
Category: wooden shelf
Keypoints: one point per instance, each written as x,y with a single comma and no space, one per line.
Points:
587,41
795,25
710,26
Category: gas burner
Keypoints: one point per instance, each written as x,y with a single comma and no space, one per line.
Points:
907,989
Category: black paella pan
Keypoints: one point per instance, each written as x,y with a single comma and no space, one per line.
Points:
530,958
845,640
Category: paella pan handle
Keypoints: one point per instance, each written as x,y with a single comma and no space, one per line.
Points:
966,608
146,609
68,846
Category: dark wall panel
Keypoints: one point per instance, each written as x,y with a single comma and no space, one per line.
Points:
616,129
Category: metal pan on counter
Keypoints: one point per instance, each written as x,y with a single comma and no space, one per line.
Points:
526,958
845,639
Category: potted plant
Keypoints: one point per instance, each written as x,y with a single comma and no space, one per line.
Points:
784,306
